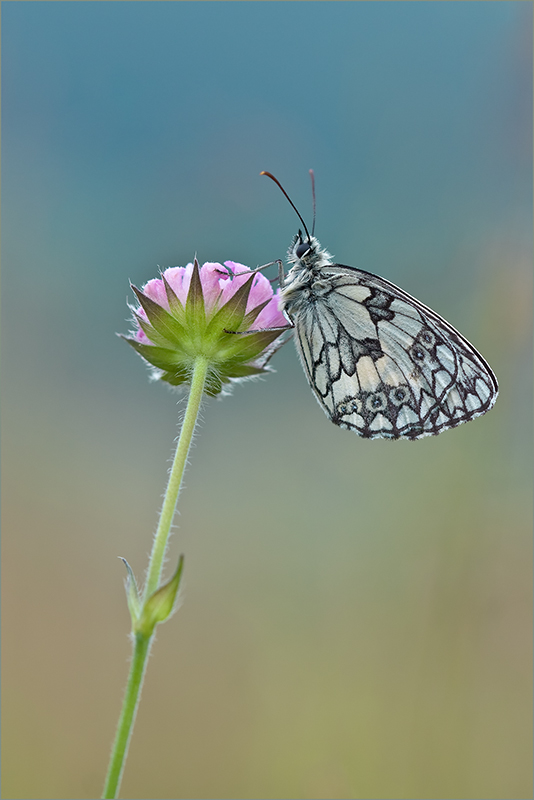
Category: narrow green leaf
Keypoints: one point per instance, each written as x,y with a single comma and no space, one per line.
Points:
160,605
132,593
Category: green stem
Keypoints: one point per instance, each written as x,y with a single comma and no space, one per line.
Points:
159,545
127,717
142,642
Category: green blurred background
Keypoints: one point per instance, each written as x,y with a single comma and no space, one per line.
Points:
356,617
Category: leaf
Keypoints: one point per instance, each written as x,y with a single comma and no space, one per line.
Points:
132,593
160,605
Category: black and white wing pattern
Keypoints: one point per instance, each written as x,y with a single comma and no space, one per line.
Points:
380,362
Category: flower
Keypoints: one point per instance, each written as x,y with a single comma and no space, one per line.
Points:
225,313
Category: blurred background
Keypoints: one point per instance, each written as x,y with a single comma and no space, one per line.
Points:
356,615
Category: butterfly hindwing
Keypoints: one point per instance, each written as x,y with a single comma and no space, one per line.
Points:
380,362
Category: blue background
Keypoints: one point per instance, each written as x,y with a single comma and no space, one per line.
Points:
356,619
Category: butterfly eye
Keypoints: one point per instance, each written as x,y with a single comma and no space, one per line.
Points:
302,249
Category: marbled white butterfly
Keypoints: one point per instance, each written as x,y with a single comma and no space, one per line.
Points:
378,361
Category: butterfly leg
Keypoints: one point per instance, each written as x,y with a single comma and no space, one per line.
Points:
261,330
281,273
258,269
281,281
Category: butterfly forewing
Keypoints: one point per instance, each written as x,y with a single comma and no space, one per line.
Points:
379,361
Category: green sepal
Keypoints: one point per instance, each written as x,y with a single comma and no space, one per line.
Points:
243,371
160,357
174,303
246,347
194,305
213,385
249,318
132,593
177,376
159,605
160,319
150,332
232,313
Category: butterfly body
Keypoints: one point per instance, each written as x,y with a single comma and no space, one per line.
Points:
378,361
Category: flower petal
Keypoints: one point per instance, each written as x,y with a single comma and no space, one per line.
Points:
261,291
240,274
213,276
271,316
179,279
155,290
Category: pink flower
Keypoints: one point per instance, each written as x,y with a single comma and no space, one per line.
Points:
223,312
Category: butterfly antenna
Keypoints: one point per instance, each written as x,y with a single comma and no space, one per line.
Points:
290,200
312,176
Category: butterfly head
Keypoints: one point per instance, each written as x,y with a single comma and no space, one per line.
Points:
306,252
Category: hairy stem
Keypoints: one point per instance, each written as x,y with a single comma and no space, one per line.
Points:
141,641
159,545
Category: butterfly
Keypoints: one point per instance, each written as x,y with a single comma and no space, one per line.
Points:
379,362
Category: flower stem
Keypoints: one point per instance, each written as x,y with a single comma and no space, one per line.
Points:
127,717
159,544
142,642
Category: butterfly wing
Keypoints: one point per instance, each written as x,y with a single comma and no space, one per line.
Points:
383,364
